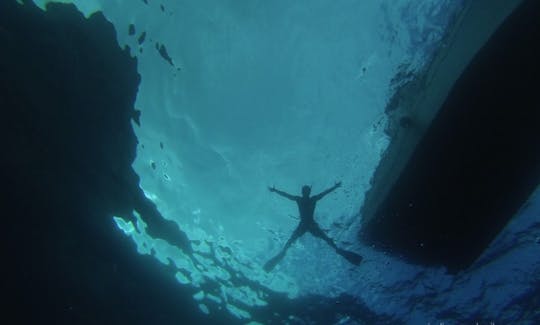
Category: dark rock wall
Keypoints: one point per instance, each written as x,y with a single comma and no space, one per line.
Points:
66,101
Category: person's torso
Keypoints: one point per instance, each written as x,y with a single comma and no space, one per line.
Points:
306,207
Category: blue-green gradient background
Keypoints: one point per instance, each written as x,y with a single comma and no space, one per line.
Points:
288,93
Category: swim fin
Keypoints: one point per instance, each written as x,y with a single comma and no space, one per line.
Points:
269,266
353,258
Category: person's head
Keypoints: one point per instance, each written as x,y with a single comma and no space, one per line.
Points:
306,190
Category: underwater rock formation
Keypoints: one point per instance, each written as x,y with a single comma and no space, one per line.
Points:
66,95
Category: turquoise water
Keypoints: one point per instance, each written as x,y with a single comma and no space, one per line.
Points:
251,94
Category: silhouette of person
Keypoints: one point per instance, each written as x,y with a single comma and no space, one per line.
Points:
306,207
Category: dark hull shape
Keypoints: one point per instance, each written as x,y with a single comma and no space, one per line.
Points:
477,162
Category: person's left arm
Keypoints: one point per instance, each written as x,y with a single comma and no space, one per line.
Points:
323,193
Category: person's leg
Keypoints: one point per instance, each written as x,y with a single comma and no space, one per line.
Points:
316,231
298,232
349,256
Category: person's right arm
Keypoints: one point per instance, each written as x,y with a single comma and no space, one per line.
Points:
284,194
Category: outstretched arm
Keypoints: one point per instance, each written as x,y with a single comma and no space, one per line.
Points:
323,193
284,194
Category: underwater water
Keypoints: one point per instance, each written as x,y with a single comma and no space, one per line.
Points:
237,96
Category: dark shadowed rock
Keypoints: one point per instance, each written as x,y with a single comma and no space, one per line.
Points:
66,98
